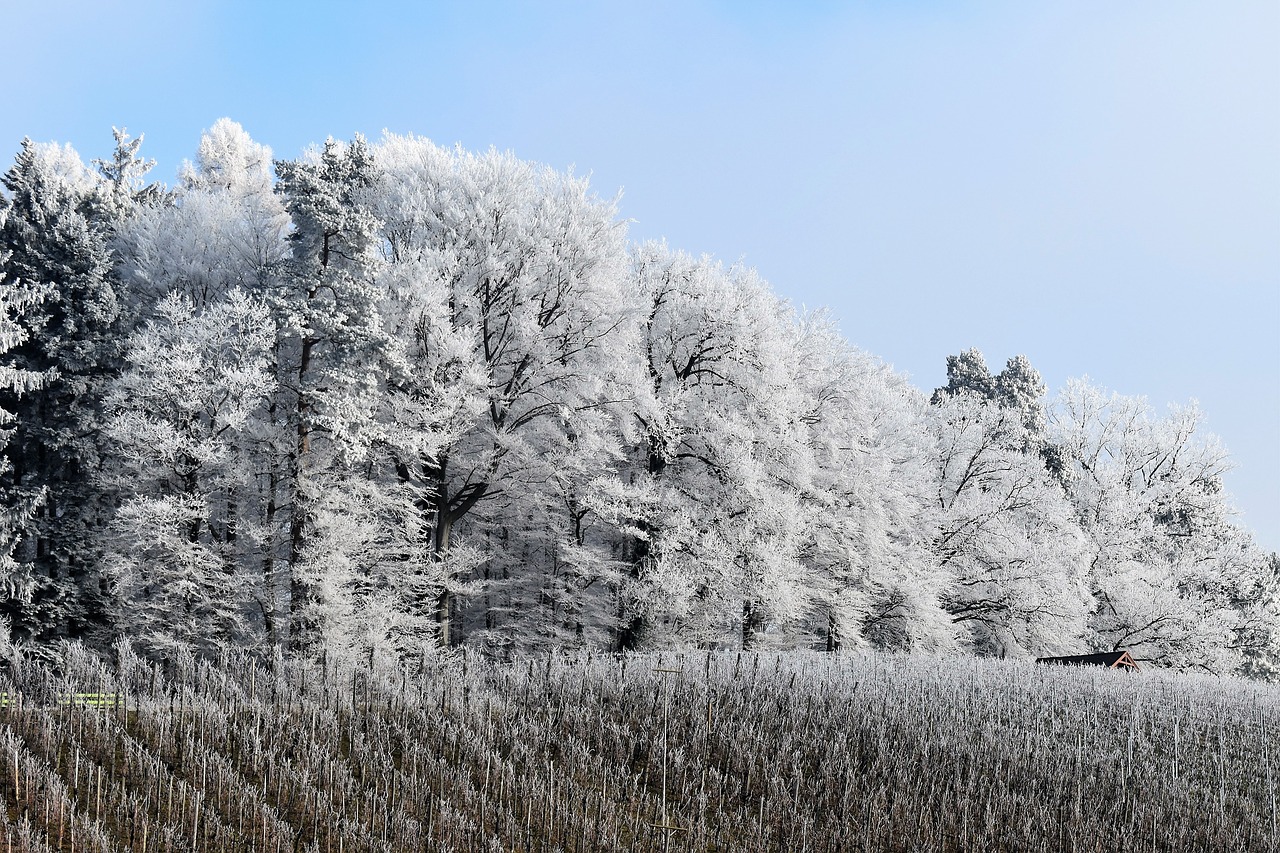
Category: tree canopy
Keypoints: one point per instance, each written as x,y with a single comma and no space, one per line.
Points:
392,398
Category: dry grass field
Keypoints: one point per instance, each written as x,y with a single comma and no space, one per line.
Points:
694,752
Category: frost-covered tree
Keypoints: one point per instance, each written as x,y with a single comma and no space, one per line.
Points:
221,230
1006,534
405,396
125,190
711,500
506,291
194,385
330,345
1259,601
57,238
16,299
967,373
1174,579
1020,389
225,227
870,500
370,572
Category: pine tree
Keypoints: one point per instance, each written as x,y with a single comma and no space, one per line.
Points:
967,373
332,341
1019,388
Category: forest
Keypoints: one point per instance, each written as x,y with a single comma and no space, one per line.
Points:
393,398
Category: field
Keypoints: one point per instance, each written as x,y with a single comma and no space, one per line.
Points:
696,752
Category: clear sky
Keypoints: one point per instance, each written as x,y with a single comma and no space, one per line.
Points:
1095,185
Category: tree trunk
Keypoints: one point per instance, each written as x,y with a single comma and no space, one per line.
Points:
448,509
440,547
299,590
269,562
751,624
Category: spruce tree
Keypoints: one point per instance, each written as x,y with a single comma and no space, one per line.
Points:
58,243
17,299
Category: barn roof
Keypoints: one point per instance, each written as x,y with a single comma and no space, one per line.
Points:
1111,660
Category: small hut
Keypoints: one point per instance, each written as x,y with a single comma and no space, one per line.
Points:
1111,660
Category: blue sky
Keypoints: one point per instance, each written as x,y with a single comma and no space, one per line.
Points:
1095,185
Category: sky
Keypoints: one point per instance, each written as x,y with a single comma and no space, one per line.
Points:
1095,185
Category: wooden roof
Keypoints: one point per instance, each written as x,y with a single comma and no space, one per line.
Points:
1111,660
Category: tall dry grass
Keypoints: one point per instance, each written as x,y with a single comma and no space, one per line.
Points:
697,752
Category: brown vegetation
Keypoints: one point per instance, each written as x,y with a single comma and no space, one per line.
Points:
705,752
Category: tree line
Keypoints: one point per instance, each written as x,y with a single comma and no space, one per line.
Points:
390,398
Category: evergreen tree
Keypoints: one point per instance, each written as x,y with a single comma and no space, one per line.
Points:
1020,389
17,299
126,189
58,242
967,373
331,345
